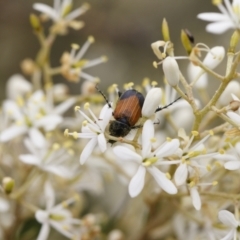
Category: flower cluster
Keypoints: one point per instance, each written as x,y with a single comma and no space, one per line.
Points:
149,162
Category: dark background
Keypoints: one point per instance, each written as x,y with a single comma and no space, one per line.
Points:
123,29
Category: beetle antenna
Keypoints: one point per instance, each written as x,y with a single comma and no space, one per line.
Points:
108,103
161,108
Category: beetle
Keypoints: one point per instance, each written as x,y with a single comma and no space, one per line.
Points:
127,112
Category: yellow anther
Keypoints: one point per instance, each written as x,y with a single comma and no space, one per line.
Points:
64,204
214,183
216,2
183,159
130,85
71,152
86,106
104,58
145,82
164,55
75,46
154,83
96,80
85,123
76,197
192,184
153,140
221,151
155,64
77,108
49,134
66,133
125,86
168,175
75,135
195,133
149,161
91,39
20,101
211,132
168,139
19,123
86,6
55,146
209,168
218,164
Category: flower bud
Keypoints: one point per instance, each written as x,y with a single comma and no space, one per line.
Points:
165,30
35,22
232,88
17,86
171,71
186,41
8,184
214,57
234,105
151,102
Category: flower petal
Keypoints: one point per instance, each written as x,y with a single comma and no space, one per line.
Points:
147,135
64,106
227,218
37,138
49,122
44,232
88,150
102,143
137,183
229,235
234,116
151,102
196,200
232,165
162,180
126,154
30,159
49,11
181,174
49,195
168,148
12,132
219,27
212,17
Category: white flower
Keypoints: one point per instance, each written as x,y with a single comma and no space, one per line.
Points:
229,18
94,130
56,216
188,157
31,115
146,161
214,57
61,14
51,159
73,62
198,75
234,116
171,71
17,86
231,157
228,219
151,102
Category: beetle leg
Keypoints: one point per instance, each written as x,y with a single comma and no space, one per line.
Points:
119,94
108,103
137,126
161,108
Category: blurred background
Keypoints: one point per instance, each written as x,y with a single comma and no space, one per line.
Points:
123,31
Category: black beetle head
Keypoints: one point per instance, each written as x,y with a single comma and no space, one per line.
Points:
118,129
